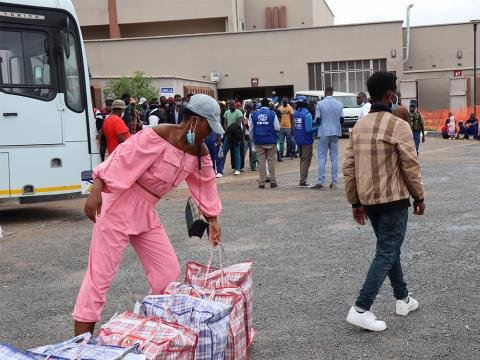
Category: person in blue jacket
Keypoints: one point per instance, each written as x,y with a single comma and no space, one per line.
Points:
304,131
264,127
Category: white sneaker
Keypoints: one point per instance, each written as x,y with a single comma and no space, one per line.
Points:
402,308
366,320
219,175
236,172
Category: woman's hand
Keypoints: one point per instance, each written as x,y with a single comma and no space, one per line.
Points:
93,205
214,231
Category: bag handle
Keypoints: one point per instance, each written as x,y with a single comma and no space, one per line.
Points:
150,336
222,257
69,344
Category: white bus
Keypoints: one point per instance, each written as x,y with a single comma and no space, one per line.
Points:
47,130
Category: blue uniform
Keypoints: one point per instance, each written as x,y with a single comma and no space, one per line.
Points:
303,127
263,127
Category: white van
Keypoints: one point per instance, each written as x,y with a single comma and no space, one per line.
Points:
350,108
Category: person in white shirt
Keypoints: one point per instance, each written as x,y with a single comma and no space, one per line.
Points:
155,115
363,102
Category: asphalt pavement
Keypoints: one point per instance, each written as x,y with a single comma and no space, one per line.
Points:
310,260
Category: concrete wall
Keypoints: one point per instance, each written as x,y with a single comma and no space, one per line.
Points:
433,60
238,57
322,14
299,13
153,12
173,27
435,47
91,12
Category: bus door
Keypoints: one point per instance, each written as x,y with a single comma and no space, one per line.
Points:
30,104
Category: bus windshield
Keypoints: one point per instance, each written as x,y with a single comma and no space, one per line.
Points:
30,61
26,63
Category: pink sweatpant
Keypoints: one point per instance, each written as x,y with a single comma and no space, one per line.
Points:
129,217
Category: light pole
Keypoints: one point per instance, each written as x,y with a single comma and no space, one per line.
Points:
475,24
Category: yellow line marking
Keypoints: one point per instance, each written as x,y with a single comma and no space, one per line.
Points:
42,190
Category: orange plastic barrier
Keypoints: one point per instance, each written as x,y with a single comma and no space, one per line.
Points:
434,120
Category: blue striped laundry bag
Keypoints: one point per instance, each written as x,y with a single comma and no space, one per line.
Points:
208,319
8,352
237,344
80,348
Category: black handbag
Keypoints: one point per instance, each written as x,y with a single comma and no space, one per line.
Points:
196,222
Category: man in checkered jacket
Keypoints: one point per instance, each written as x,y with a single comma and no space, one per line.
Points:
382,172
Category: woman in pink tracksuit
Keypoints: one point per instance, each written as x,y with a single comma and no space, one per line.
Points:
122,203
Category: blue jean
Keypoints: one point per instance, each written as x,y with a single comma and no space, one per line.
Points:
235,153
213,150
285,135
472,130
326,143
416,138
389,227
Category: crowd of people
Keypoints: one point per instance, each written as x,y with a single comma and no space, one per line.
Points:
381,171
268,130
464,130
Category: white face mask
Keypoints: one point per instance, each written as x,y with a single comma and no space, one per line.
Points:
178,102
395,104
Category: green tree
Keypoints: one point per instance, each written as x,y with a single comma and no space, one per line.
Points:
137,86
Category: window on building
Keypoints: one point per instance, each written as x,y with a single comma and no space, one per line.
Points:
345,76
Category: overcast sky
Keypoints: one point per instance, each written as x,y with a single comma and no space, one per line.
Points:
423,13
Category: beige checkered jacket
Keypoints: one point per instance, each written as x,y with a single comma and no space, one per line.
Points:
381,164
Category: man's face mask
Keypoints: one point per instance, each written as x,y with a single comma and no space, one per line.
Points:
178,102
394,104
284,102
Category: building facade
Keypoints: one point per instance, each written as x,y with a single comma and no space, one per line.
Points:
104,19
251,47
253,63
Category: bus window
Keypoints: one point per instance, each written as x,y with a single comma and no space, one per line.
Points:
25,64
73,89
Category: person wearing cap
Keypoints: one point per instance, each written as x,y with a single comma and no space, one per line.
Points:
114,129
122,202
303,131
223,108
417,125
143,109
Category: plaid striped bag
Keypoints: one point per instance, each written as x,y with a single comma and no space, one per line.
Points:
80,347
157,339
208,319
236,348
237,275
8,352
